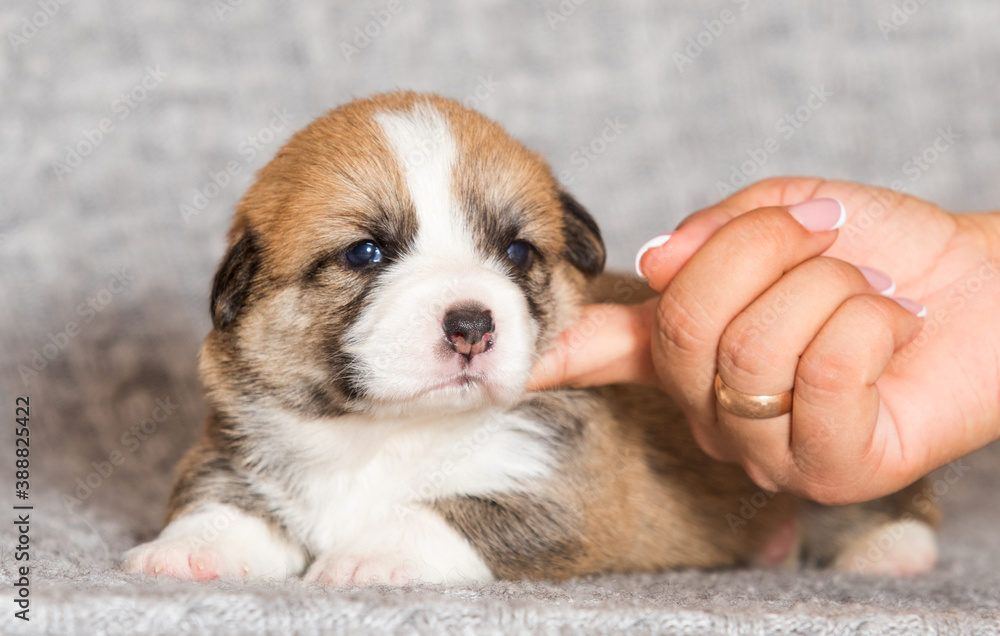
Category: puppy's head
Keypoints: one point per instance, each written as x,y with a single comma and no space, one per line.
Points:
400,254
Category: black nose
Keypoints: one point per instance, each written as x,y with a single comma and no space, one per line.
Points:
469,329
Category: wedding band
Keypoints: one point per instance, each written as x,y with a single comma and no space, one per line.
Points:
755,407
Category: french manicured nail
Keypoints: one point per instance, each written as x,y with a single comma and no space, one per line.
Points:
911,306
656,241
820,215
881,281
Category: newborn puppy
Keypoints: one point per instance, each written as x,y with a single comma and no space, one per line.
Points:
391,277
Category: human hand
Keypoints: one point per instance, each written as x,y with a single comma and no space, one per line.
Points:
881,397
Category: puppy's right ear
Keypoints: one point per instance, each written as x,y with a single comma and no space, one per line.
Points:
233,278
584,245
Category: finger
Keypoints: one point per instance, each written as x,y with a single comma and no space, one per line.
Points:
609,344
760,349
828,444
835,406
713,288
660,265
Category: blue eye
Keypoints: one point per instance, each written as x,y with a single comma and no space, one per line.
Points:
364,253
521,254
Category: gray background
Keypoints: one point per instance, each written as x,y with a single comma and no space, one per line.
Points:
687,127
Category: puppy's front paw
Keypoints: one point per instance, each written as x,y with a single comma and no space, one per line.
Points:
342,570
185,559
217,542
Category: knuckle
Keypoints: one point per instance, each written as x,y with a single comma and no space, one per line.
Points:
826,371
681,320
836,273
769,230
784,189
771,186
824,375
739,355
869,309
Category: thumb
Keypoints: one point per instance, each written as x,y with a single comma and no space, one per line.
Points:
659,260
609,344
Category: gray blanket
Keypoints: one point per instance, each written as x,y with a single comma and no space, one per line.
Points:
130,129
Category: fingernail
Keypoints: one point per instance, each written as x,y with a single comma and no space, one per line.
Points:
656,241
911,306
881,281
820,215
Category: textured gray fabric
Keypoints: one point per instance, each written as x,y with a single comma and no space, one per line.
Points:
213,79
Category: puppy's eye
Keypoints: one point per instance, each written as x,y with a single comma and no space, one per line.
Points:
522,254
363,253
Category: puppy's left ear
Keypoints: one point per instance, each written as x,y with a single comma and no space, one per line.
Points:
584,245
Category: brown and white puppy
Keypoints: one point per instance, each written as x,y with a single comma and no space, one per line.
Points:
391,277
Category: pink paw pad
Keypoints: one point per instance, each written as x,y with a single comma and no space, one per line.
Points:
349,570
204,566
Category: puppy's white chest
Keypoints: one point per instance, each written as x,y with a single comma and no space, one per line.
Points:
356,477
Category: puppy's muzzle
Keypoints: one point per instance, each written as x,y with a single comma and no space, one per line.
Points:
469,329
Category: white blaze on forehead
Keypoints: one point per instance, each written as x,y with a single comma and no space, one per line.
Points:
398,338
421,140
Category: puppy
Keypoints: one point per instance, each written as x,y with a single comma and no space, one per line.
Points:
391,276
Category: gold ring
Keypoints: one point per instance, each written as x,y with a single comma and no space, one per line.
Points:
754,407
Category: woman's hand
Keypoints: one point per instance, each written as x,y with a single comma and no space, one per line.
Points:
771,298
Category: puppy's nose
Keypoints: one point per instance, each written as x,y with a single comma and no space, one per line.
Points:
469,329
